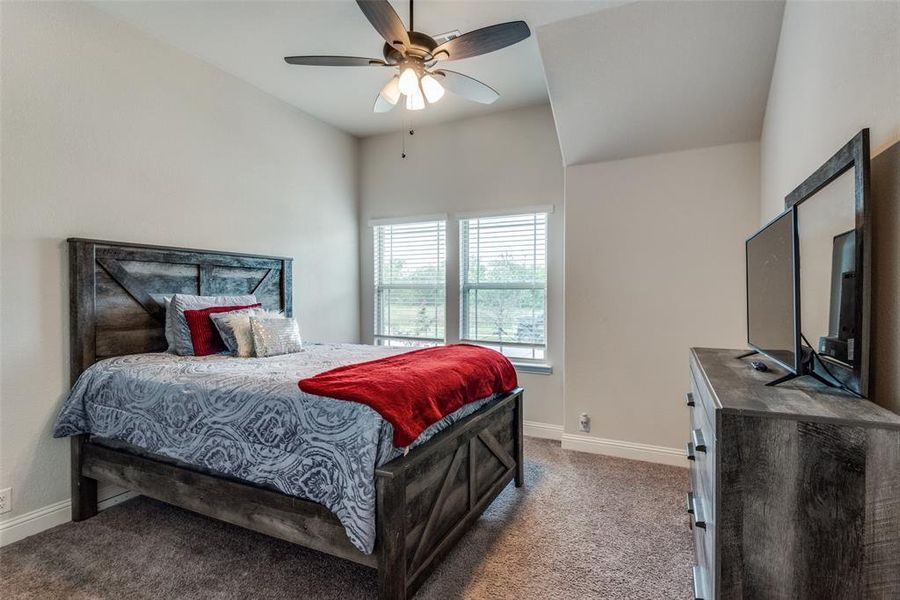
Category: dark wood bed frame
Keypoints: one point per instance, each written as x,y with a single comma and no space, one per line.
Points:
426,500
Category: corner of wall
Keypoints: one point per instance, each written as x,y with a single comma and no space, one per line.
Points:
360,227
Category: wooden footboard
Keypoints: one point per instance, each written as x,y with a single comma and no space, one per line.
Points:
428,499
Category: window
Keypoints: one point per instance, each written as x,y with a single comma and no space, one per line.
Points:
410,267
503,283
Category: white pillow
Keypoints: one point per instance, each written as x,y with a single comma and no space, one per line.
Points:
240,326
272,337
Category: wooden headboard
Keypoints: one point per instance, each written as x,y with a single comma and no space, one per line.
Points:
117,290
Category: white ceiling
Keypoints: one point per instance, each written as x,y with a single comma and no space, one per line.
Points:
654,77
250,38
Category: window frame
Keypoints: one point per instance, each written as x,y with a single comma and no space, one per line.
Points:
381,339
453,277
542,364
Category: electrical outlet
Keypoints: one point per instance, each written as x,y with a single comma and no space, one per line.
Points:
6,500
584,422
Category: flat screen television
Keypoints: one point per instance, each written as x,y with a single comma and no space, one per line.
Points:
773,292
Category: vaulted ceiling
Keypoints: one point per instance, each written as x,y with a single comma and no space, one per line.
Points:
625,78
657,76
250,38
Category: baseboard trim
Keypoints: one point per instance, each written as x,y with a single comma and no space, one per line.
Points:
49,516
546,431
623,449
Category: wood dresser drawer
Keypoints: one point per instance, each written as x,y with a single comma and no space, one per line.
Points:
699,581
703,530
703,395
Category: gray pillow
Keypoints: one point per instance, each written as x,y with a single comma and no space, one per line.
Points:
181,334
170,324
272,337
224,326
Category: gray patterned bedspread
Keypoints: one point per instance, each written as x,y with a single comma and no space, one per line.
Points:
247,418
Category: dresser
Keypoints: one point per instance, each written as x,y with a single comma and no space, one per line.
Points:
795,489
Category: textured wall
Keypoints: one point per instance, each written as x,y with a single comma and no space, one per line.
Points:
654,265
837,71
109,134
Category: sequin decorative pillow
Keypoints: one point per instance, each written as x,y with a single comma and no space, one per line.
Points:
272,337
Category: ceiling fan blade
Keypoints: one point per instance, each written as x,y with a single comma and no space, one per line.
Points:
468,88
385,20
482,41
334,61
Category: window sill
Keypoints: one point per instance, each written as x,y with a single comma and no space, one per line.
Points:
533,368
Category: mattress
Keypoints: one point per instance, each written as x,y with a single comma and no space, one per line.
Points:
246,418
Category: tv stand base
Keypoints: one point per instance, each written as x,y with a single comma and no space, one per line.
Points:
790,376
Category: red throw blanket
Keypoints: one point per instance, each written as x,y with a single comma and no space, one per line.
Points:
416,389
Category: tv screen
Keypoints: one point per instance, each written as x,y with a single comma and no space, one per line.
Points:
772,306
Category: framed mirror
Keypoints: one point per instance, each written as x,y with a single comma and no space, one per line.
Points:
834,250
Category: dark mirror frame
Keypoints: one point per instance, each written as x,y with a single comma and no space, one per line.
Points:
854,155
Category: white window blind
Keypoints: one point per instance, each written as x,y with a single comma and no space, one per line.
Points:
503,283
410,267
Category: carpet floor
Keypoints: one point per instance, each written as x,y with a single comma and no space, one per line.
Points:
584,526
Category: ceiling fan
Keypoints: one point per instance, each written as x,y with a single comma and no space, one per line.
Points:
415,55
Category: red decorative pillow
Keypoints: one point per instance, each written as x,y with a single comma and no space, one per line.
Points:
204,337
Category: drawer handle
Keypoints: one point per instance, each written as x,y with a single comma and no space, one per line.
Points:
689,399
689,451
699,517
690,503
695,572
699,442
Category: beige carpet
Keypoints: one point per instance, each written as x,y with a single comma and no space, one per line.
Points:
584,526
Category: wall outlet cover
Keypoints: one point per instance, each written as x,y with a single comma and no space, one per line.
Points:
584,422
5,500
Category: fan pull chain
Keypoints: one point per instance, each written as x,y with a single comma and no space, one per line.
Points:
407,127
403,140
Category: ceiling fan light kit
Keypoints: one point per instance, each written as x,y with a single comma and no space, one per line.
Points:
391,90
415,101
409,80
433,90
415,55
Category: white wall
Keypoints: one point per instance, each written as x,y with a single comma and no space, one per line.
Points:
836,72
107,133
503,160
654,265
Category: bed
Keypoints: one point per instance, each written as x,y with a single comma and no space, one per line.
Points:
420,501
